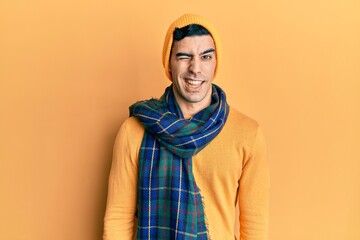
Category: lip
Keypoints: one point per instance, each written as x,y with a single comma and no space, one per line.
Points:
193,79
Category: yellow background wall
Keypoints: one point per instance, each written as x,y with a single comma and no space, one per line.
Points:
70,69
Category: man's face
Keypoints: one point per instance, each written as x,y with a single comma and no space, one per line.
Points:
192,67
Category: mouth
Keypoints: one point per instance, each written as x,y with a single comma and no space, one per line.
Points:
193,83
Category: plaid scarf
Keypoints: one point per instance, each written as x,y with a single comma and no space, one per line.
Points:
169,201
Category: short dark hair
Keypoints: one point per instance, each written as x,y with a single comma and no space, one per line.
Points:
188,31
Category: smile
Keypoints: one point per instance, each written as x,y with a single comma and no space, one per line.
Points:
193,83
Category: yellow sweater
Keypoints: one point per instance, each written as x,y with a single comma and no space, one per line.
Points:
231,170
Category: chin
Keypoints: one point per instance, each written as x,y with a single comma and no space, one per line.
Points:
193,99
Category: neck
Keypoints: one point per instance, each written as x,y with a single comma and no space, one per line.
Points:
189,109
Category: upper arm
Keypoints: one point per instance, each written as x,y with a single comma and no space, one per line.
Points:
122,189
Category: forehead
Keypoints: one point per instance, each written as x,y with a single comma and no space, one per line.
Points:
194,44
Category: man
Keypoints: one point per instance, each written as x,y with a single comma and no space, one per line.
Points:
183,162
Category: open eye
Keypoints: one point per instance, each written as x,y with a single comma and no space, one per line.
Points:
206,57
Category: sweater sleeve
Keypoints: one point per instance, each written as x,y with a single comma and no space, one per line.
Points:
253,195
120,212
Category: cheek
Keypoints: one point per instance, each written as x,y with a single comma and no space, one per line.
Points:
177,68
210,68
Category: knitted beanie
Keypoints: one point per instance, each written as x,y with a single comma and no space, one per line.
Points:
181,22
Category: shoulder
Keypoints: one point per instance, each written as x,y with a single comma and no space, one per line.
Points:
241,121
241,127
131,133
131,124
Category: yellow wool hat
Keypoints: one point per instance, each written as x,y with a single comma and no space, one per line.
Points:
184,21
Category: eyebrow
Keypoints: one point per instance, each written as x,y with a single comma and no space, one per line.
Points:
183,54
207,51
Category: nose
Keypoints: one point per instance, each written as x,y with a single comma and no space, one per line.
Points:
195,65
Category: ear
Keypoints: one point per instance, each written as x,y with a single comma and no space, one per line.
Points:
169,70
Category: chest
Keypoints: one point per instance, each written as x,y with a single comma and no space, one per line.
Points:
221,162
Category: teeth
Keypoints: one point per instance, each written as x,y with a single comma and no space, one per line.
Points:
194,82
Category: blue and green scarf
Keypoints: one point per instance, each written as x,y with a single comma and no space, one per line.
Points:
169,201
